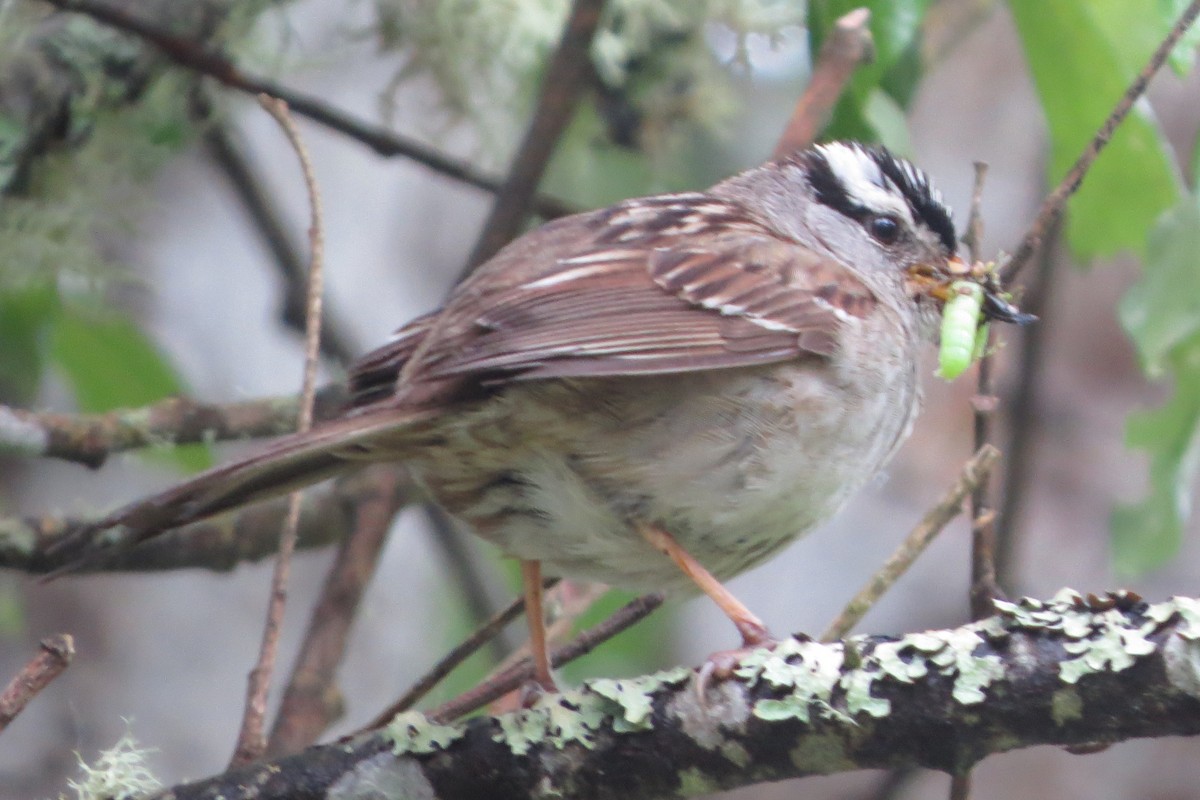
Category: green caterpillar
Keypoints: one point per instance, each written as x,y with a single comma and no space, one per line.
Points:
963,338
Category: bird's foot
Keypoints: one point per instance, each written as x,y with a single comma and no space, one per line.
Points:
721,665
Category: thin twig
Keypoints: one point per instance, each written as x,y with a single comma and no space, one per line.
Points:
206,60
984,588
54,656
566,73
452,660
632,612
847,46
311,701
973,238
973,473
336,342
251,741
1054,204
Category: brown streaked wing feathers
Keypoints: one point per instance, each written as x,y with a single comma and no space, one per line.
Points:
737,295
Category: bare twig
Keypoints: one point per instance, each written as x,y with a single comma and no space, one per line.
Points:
1056,201
218,544
632,612
207,60
336,341
311,701
566,73
984,588
973,238
973,473
251,742
848,45
89,439
55,656
452,660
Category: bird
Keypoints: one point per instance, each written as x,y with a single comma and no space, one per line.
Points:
657,395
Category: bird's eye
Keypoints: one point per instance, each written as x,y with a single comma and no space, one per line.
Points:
884,229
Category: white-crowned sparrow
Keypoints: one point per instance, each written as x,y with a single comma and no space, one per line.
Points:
707,375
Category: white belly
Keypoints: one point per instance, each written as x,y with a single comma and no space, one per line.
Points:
734,465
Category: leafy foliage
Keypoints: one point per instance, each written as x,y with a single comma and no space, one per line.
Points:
871,109
1082,55
1162,315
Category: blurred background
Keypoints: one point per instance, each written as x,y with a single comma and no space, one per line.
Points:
166,656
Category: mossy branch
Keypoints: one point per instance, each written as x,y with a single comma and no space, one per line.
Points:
1073,671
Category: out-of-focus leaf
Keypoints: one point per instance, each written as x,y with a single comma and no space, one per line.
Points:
1083,54
1163,309
1184,55
109,363
1147,533
27,310
887,119
895,29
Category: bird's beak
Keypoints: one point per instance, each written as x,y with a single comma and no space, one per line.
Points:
937,283
995,307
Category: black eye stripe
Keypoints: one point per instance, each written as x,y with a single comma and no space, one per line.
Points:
922,198
899,176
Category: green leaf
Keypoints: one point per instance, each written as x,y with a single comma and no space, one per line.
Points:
1083,54
1161,313
895,70
1184,55
27,309
1163,308
109,363
1147,533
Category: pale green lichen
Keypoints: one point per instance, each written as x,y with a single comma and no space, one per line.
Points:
656,55
693,782
859,699
119,773
413,732
636,698
822,754
1110,648
948,653
809,670
1066,706
576,717
1104,639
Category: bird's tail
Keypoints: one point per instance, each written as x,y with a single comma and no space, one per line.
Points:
290,462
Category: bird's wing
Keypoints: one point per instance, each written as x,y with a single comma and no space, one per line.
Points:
619,294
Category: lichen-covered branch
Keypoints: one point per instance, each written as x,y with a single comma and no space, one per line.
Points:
89,439
218,544
1072,671
64,74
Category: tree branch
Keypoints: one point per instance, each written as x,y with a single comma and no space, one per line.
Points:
207,60
1056,202
54,656
218,544
1068,672
848,45
566,73
311,700
89,439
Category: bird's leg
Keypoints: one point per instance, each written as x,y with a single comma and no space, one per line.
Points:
754,632
531,578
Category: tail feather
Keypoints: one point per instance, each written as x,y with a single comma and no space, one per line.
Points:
291,462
